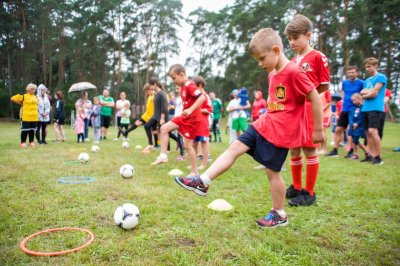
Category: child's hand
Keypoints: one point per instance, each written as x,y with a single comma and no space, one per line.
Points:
355,126
318,136
186,112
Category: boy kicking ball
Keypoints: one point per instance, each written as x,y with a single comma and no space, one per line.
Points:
289,88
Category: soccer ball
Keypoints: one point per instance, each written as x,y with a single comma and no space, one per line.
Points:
95,148
83,157
125,144
126,171
127,216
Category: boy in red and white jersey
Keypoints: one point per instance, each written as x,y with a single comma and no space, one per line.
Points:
186,123
315,65
289,88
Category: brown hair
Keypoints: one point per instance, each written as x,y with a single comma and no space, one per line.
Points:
352,67
154,81
177,69
298,25
264,39
60,95
372,61
199,81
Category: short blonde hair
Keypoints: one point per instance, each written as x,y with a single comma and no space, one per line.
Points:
30,86
298,25
356,95
372,61
265,39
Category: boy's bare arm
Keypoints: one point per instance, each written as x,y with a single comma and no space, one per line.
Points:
196,104
372,93
316,105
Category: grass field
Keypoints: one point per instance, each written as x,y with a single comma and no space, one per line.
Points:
356,220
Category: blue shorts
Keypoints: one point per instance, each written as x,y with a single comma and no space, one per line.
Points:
262,150
201,139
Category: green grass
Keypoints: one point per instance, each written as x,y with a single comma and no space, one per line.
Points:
356,221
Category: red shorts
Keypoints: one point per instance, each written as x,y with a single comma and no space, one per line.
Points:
310,128
188,127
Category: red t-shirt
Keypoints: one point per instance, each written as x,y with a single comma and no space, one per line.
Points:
189,94
339,105
388,94
284,123
258,105
204,128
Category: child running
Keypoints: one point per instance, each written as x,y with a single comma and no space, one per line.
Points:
315,65
289,87
187,123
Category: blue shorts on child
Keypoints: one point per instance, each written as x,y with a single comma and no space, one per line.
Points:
262,150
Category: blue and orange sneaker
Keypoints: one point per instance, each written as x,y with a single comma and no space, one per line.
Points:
192,183
272,219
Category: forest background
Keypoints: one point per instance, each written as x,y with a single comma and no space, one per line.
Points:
122,43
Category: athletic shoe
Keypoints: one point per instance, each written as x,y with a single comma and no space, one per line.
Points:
377,161
180,158
397,149
259,167
349,155
125,139
272,219
192,183
305,199
291,192
367,159
200,157
22,145
32,144
333,153
209,159
354,157
159,160
116,139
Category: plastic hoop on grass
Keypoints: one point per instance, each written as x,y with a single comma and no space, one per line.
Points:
76,179
55,253
73,162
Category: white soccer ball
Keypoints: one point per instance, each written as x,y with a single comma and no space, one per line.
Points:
95,148
127,216
125,144
83,157
126,171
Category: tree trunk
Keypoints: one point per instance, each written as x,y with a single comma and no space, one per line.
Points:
10,81
43,59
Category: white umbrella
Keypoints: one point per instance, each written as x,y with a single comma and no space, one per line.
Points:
81,86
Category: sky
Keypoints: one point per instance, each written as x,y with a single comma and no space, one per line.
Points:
184,31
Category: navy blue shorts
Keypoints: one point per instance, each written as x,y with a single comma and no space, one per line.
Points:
262,150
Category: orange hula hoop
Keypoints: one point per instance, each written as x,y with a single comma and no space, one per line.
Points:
56,253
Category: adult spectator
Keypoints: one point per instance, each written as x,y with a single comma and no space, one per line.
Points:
373,109
86,104
107,103
350,86
259,105
216,116
44,108
29,116
118,108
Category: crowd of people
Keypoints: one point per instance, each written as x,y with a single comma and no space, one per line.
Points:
292,121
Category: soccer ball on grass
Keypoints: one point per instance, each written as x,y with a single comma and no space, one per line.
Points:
127,216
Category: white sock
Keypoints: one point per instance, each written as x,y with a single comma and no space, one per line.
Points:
206,180
282,213
163,156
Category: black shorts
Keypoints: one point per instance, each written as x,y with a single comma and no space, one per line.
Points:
105,121
28,125
60,121
343,120
262,150
373,119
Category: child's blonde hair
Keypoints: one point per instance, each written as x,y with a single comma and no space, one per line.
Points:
372,61
265,39
96,99
298,25
199,81
356,96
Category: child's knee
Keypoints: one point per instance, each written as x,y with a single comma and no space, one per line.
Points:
295,152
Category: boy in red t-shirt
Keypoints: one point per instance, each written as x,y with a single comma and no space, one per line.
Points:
187,122
289,87
203,132
315,65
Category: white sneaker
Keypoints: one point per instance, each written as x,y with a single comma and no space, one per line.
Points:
116,139
126,139
259,167
87,139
